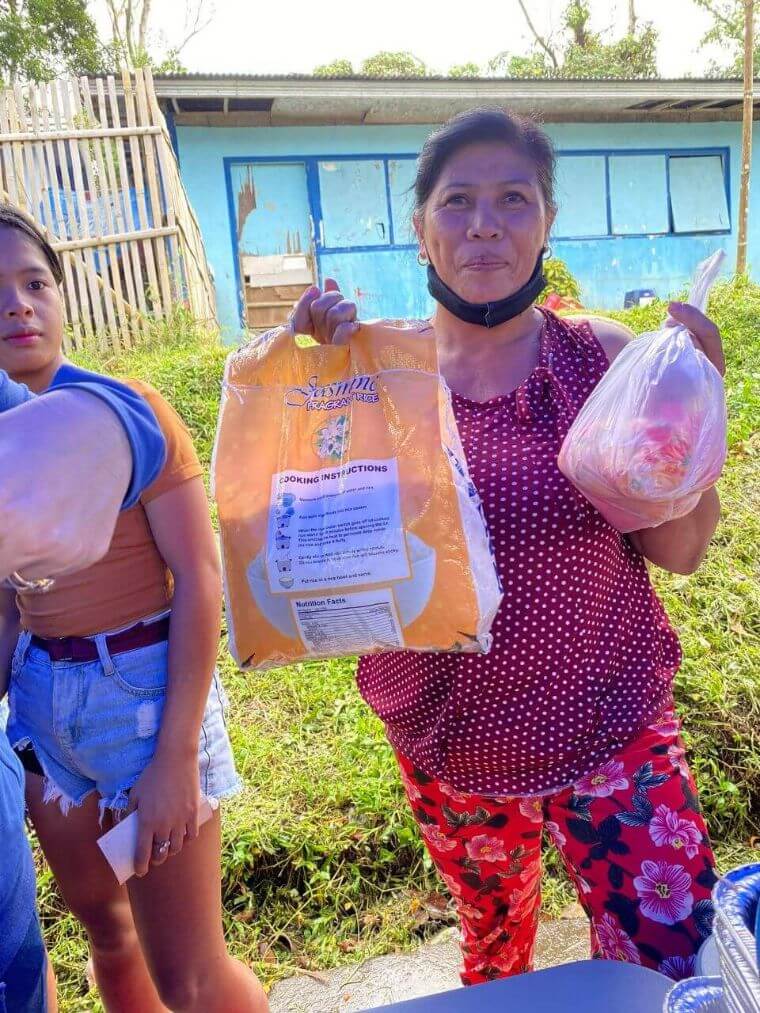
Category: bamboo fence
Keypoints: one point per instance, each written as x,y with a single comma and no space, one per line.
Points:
91,161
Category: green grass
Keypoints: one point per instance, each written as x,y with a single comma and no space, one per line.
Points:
322,860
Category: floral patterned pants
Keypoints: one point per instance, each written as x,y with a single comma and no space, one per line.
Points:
631,837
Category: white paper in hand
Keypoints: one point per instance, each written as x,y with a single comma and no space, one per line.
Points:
120,843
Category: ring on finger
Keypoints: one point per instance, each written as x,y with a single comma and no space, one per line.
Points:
162,846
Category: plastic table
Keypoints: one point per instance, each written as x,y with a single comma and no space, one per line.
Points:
593,986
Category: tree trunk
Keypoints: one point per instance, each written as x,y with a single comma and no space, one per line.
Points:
749,40
541,41
631,17
128,22
144,18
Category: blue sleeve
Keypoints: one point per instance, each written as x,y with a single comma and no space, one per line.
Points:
12,394
136,416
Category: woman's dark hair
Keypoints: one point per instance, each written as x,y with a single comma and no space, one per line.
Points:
490,125
12,218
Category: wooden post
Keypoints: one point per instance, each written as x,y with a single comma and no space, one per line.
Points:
749,47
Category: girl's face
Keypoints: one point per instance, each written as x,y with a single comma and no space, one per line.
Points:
485,222
31,311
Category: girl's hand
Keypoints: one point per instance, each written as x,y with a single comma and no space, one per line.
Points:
326,316
167,799
704,333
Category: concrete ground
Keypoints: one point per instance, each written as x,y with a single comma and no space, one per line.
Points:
434,967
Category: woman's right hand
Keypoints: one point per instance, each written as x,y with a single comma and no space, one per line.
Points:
326,316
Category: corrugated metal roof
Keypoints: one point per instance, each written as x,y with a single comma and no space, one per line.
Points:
267,99
439,79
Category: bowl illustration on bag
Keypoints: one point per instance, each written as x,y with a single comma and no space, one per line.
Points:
412,595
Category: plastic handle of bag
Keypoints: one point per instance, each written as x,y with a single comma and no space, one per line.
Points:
704,278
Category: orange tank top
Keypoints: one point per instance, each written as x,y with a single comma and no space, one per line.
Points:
132,580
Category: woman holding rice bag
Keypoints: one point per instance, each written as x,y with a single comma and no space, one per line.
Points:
568,724
115,704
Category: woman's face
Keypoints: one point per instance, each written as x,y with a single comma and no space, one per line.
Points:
31,309
485,222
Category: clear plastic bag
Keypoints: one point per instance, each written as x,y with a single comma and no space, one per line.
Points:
651,438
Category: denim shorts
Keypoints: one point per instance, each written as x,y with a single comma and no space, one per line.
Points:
94,726
23,984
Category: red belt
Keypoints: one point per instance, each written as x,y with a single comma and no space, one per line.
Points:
85,649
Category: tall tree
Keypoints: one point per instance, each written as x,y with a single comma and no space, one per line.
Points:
131,42
578,51
391,65
42,38
727,31
541,42
464,70
399,64
338,68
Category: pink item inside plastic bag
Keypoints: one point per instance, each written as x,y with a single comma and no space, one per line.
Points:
651,438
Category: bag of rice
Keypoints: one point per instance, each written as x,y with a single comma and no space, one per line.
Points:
349,523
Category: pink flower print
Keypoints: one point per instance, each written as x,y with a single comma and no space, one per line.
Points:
412,790
436,838
482,945
667,724
500,964
533,808
615,944
531,874
483,848
603,781
555,833
583,885
469,911
667,828
523,902
679,967
677,757
453,794
455,887
664,891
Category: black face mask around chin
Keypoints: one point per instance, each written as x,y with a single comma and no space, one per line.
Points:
488,314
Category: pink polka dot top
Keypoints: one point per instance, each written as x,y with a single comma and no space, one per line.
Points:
583,654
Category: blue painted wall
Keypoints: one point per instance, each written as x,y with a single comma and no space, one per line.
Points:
383,274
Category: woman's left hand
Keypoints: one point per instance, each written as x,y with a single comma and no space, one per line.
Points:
167,799
704,333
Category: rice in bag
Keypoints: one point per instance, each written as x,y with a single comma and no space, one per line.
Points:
349,523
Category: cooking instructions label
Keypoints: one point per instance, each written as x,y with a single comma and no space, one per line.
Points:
336,527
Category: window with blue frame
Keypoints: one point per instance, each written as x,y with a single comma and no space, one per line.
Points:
401,173
580,191
365,202
642,193
698,194
354,203
638,192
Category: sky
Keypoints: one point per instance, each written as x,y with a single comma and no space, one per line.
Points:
294,36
